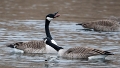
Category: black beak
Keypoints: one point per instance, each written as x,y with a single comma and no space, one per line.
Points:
78,24
10,45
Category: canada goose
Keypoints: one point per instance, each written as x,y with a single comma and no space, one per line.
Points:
78,52
102,25
37,46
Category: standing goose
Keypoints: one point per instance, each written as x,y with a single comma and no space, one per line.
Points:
78,52
102,25
37,46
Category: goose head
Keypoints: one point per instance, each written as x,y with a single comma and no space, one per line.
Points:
49,17
87,25
15,45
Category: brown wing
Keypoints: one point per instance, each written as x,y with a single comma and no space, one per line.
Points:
82,50
31,44
103,25
105,22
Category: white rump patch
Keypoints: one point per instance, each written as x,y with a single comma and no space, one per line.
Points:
48,18
102,57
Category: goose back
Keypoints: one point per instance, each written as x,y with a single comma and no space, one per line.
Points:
31,46
102,25
81,52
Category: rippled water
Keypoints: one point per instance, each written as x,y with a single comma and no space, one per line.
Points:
24,21
67,34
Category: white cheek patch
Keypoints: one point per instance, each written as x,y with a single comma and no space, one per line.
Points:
48,18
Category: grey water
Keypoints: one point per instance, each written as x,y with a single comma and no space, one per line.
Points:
24,21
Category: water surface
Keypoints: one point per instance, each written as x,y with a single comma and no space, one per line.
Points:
23,20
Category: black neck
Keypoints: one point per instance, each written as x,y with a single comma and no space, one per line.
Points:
47,31
57,48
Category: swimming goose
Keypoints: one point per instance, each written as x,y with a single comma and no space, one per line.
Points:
102,25
78,52
37,46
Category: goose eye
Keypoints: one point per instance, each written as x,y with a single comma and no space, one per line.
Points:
17,44
84,24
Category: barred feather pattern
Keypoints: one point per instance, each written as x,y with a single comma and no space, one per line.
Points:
31,46
81,52
102,25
